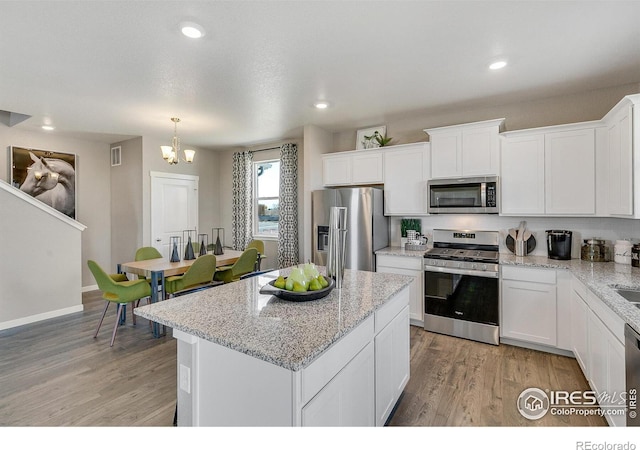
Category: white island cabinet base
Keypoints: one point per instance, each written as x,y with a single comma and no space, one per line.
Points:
219,386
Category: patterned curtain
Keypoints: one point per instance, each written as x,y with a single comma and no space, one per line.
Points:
288,223
242,214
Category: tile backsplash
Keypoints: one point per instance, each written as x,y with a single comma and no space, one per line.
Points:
606,228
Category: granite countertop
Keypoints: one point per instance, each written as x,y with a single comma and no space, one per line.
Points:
400,251
599,277
287,334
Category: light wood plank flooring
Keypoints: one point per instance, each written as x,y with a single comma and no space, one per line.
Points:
53,373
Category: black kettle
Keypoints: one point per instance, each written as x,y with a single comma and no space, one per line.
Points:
559,244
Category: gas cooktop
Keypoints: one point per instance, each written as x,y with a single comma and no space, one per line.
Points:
462,254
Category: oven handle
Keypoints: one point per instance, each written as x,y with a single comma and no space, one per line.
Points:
473,273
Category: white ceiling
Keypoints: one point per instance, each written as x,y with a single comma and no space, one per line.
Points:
108,69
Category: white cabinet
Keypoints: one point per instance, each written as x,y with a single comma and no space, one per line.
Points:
346,400
367,168
598,345
579,323
465,150
522,175
529,305
406,170
336,170
392,364
411,266
570,172
549,171
620,159
352,168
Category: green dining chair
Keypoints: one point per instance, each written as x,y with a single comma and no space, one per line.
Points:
245,264
144,253
119,292
201,272
258,245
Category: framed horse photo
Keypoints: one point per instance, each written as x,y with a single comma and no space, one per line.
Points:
47,176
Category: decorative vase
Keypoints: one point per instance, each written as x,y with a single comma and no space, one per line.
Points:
175,255
188,251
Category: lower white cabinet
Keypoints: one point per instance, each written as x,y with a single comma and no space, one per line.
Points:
529,305
579,324
598,336
411,266
392,364
346,400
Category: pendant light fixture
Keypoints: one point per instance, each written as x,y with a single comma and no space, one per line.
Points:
171,153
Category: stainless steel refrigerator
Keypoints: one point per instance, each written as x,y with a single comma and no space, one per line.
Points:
367,227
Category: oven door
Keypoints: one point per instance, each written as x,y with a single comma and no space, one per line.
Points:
463,295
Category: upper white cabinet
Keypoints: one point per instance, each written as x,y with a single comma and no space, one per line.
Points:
550,171
621,124
406,170
470,149
346,168
522,174
570,171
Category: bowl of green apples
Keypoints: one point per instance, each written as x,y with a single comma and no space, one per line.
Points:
303,284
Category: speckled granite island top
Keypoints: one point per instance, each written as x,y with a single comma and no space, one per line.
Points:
288,334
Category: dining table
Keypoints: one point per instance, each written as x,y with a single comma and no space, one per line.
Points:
157,269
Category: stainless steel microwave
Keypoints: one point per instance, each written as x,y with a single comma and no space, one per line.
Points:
478,195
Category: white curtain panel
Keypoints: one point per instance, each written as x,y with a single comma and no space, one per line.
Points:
288,254
242,214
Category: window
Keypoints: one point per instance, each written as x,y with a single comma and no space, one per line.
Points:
267,198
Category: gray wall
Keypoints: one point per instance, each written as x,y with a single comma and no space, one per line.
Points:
92,187
126,202
407,127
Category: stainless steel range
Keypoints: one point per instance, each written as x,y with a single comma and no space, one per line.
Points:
461,285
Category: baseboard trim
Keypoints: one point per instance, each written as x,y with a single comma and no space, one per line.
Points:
93,287
39,317
539,347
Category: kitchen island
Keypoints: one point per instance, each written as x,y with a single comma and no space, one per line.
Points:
247,359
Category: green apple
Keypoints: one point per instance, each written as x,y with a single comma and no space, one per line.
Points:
279,283
314,285
298,287
323,281
288,285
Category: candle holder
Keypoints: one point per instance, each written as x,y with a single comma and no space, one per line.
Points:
203,239
217,249
188,250
175,242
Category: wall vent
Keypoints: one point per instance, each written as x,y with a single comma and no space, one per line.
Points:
116,156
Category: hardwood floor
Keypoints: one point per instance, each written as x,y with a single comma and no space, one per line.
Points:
456,382
53,373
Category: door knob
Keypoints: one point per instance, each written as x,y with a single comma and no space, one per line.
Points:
158,240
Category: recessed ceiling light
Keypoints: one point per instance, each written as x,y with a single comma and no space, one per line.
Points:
498,65
192,30
321,105
48,127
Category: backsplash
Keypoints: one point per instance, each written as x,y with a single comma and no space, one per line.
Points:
606,228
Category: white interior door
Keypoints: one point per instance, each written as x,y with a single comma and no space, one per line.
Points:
174,208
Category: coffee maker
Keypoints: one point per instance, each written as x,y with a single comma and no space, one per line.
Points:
559,244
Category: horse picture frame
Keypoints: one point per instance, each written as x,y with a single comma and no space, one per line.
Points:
47,176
